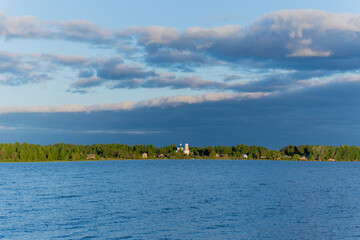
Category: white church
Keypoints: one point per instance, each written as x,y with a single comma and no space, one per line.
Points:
186,149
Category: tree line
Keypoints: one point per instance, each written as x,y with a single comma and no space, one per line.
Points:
71,152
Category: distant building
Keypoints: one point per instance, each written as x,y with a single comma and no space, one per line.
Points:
186,150
244,156
90,156
144,155
303,158
180,147
160,155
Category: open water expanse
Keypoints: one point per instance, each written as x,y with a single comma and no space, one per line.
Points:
180,199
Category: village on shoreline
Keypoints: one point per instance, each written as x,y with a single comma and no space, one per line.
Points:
24,152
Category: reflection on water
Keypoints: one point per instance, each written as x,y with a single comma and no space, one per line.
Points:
180,199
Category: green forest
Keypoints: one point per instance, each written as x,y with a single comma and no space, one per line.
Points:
70,152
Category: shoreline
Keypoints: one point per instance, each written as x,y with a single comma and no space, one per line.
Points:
167,159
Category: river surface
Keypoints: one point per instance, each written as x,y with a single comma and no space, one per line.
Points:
180,199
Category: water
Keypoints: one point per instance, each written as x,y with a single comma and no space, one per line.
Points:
180,199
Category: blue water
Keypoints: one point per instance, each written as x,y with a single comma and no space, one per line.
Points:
180,199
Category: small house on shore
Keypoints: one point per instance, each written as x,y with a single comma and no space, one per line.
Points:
90,156
144,155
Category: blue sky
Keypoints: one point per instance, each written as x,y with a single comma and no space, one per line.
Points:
268,73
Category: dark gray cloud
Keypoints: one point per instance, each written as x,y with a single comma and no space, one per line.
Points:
185,61
87,82
123,75
285,81
318,115
115,69
153,80
312,43
167,47
86,73
304,89
75,61
295,39
17,69
171,81
230,77
112,70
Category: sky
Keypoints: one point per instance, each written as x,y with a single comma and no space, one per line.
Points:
269,73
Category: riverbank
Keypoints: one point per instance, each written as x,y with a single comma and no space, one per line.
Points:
24,152
168,159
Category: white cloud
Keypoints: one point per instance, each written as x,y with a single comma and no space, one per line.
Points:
71,60
267,43
296,21
307,52
87,82
6,128
32,27
150,34
157,102
336,78
217,32
122,132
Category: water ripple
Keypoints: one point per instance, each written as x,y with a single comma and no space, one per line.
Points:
180,200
